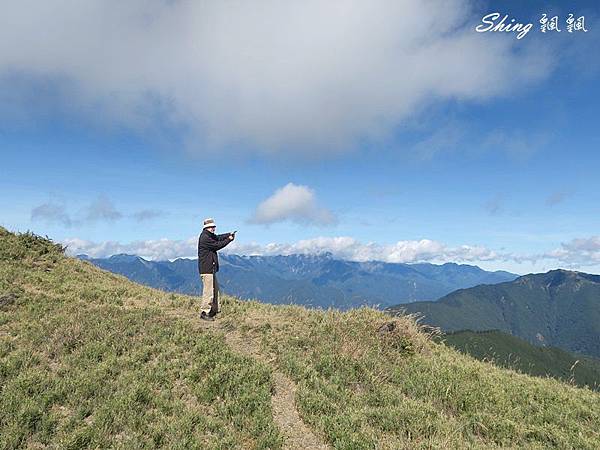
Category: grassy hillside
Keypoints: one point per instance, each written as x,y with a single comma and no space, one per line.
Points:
89,359
559,308
511,352
82,366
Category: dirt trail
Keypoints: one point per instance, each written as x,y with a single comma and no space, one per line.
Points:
297,435
295,432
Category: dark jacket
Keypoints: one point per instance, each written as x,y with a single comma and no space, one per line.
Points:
208,244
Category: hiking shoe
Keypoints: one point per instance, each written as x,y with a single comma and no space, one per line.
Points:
205,316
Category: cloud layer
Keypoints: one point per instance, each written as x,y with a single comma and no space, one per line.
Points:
292,203
350,249
341,247
274,76
156,249
580,251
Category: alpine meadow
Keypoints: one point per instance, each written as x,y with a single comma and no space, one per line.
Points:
90,359
300,225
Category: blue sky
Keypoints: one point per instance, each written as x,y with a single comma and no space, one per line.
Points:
427,142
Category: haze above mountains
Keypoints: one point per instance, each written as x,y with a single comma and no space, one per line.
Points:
311,280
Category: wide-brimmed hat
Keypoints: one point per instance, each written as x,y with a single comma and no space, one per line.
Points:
209,223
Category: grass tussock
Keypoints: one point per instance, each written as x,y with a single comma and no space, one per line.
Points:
89,359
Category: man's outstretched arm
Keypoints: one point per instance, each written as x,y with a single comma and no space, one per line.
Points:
217,243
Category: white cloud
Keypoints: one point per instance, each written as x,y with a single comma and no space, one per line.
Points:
583,253
276,76
348,248
294,203
342,247
578,252
157,249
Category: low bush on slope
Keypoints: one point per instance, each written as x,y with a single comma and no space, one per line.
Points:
90,359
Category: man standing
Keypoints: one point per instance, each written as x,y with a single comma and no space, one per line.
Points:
208,265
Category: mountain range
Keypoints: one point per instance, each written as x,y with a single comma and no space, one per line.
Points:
559,308
311,280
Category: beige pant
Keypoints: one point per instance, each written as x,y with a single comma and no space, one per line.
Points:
210,293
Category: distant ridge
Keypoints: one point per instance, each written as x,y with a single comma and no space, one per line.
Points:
559,308
512,352
311,280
